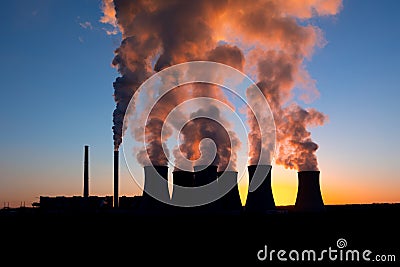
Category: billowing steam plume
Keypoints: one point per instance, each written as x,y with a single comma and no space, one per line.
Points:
267,39
197,126
109,16
200,127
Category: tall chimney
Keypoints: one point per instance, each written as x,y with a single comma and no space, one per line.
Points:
116,178
204,175
86,173
155,193
183,179
261,199
309,196
227,185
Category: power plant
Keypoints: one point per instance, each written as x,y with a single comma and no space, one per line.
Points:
116,178
182,179
309,196
206,177
227,183
260,198
155,193
156,197
86,173
77,204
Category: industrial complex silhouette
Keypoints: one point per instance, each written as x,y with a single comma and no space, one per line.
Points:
260,200
220,231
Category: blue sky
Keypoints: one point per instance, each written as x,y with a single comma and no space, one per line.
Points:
56,87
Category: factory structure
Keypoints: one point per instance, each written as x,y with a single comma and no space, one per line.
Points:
82,203
260,197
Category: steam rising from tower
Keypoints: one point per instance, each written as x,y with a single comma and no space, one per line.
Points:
158,34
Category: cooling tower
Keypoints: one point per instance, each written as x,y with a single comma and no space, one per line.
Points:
116,178
227,185
155,193
261,199
309,196
86,173
205,175
184,179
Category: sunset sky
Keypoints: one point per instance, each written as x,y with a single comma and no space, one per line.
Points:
57,96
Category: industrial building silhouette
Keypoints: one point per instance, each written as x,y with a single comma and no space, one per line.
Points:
260,199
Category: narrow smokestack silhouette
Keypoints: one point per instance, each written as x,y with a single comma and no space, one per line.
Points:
86,173
309,198
116,178
260,200
184,179
227,182
155,193
205,175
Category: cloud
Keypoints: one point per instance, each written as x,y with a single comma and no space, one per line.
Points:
86,25
109,17
270,39
111,32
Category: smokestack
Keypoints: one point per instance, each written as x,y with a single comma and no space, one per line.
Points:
309,196
116,177
260,200
184,179
86,173
155,186
227,182
204,175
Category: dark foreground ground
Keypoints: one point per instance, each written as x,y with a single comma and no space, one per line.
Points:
198,240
